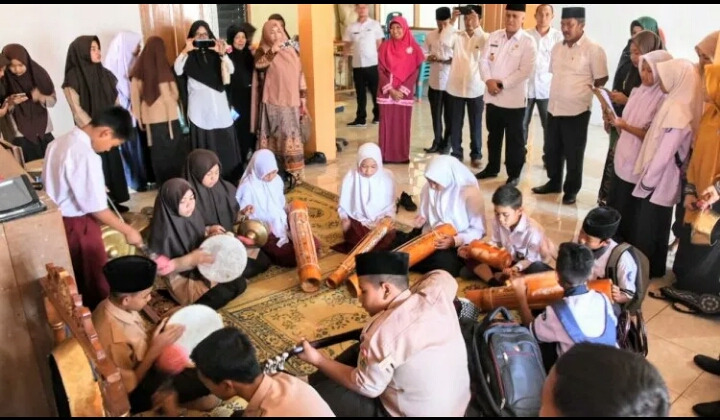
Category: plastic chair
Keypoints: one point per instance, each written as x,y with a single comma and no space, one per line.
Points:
390,16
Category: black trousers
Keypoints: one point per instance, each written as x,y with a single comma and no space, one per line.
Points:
366,79
542,106
342,401
505,122
186,384
441,115
442,259
475,108
566,141
223,293
548,351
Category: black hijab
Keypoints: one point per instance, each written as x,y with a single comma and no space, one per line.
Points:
217,205
244,62
173,235
204,65
96,85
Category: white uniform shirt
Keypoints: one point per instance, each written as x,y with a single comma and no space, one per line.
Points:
524,243
574,69
626,268
589,311
208,109
73,175
512,61
539,84
464,80
439,72
364,37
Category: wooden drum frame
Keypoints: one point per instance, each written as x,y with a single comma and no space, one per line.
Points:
542,290
419,248
337,277
305,253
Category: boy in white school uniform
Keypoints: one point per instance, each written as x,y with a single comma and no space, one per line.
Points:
73,178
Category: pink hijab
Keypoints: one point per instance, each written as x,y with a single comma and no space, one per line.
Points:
401,57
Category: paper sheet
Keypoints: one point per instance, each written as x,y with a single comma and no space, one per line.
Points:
606,98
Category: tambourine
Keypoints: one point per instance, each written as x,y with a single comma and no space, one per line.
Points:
199,321
230,258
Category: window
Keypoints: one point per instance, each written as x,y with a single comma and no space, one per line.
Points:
229,14
426,14
407,10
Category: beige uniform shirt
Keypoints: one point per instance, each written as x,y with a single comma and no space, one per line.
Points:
413,356
284,395
124,338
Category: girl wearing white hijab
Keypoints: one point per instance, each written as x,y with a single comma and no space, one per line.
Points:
261,197
119,59
659,165
366,197
451,195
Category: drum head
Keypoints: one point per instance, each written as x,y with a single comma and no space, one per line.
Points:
230,258
199,321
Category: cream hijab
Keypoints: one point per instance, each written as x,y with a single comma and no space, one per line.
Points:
267,198
356,199
448,205
679,109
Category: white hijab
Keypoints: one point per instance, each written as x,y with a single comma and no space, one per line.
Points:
267,198
356,199
448,205
119,60
680,78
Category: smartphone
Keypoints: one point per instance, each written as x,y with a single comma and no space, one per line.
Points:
203,44
234,114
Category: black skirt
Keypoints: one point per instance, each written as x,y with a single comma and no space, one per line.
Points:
223,142
697,267
167,153
651,234
621,199
115,175
33,150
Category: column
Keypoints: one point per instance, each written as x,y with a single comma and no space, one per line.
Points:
315,24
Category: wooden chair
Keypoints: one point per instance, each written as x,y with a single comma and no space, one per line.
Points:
86,382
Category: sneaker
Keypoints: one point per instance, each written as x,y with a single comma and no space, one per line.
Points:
467,309
357,124
407,202
376,121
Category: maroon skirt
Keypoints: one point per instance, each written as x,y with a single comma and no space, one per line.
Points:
357,233
284,256
87,252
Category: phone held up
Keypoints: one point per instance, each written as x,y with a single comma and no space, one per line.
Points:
204,44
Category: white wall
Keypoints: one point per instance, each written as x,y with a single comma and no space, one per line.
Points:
47,30
684,26
259,14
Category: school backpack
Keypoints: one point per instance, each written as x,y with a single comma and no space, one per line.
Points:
631,331
506,368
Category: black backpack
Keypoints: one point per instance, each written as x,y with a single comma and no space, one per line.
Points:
631,331
506,368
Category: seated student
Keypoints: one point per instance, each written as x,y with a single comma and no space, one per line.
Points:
599,227
367,196
582,315
215,199
451,195
411,360
228,365
73,178
261,197
122,334
515,231
593,380
177,231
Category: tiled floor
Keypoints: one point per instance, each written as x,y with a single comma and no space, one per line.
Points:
674,337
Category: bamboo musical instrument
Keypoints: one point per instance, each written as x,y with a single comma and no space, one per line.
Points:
337,277
419,248
497,258
542,290
308,267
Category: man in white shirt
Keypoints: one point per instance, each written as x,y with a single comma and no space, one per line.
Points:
505,67
465,87
439,56
577,63
539,85
73,178
364,38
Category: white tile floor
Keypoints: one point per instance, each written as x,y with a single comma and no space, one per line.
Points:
674,337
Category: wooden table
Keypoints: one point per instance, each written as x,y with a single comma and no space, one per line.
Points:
26,245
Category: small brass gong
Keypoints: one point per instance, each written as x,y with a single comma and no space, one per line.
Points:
255,230
703,227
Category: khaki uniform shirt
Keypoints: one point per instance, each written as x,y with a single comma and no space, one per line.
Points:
283,395
413,356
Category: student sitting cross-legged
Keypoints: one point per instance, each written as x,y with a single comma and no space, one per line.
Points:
592,380
582,315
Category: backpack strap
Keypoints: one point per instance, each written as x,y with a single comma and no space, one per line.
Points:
567,319
615,255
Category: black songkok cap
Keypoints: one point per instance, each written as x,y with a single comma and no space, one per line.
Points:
131,274
573,12
442,13
515,7
382,263
602,222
